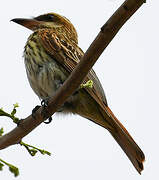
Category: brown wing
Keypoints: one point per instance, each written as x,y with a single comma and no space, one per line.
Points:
68,55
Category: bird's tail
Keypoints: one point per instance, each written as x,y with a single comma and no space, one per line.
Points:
123,138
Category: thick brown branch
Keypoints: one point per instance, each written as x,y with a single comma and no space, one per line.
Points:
108,31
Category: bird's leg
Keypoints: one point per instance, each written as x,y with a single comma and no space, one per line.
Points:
44,104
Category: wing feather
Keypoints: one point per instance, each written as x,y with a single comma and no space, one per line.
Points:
68,54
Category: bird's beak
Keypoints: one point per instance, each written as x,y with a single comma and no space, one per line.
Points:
31,24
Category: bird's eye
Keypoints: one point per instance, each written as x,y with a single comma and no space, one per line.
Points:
46,17
50,17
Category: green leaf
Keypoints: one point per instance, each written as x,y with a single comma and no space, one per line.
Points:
45,152
16,105
1,166
33,150
12,114
1,131
14,170
88,84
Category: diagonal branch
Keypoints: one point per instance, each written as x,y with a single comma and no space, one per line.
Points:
107,33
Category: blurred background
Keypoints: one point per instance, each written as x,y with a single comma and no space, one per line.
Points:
128,70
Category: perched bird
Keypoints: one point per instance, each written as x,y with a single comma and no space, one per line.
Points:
50,55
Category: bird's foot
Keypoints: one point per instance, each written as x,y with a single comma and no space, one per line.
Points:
48,121
44,104
34,111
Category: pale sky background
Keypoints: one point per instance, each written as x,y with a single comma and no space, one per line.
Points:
128,70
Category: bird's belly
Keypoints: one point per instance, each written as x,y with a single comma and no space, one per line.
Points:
45,79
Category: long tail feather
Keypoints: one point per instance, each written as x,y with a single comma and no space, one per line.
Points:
124,139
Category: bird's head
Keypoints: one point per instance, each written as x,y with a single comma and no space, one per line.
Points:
48,21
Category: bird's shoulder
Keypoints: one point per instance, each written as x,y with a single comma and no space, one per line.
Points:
58,44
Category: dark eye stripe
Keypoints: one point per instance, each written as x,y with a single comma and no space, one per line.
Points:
47,17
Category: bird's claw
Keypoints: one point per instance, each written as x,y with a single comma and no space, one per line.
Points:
44,103
34,111
48,121
44,112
